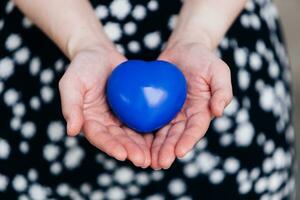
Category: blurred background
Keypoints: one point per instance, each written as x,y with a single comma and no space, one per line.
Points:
289,10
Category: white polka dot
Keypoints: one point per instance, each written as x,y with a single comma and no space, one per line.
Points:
139,12
24,147
266,98
226,139
96,195
176,187
243,79
261,185
242,175
172,22
231,165
240,57
133,190
109,164
12,42
242,116
56,131
130,28
19,183
260,46
104,180
202,143
63,189
134,46
115,193
245,187
19,109
206,162
32,175
188,156
142,178
113,31
55,168
37,192
15,123
244,134
255,22
280,158
59,65
1,24
155,197
21,56
26,22
255,61
85,188
275,180
254,174
46,76
152,40
120,8
123,175
35,103
245,21
157,175
152,5
273,70
46,94
70,142
269,147
1,87
34,66
3,182
73,157
9,6
190,170
268,165
4,149
232,108
51,152
222,124
11,96
101,12
216,176
28,130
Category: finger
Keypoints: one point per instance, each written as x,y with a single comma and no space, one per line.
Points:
138,156
148,140
221,88
195,129
167,150
158,140
71,95
99,136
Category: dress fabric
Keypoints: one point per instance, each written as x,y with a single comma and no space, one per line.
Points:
246,154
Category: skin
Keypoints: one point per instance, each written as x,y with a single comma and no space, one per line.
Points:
79,34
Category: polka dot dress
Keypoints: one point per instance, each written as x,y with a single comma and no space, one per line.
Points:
246,154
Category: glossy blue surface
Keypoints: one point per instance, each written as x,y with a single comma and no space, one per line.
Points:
146,95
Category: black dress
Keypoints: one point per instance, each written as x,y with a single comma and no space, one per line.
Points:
246,154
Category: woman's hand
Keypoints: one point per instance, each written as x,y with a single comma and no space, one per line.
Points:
209,91
82,90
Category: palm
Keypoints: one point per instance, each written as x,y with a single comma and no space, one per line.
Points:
99,125
179,136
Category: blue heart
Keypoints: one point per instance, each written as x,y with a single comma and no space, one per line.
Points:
146,95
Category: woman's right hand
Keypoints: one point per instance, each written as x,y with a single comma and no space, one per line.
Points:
84,106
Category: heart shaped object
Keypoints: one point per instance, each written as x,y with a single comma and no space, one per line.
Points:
146,95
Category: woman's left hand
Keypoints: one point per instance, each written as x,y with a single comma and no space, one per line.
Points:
209,91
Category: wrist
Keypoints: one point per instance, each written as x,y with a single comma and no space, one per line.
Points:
183,38
88,40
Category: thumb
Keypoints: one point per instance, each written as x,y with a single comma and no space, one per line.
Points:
71,95
221,88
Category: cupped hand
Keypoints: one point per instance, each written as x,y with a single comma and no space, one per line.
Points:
84,106
209,91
